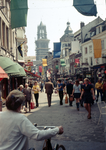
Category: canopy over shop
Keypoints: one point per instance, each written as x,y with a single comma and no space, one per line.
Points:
32,74
15,73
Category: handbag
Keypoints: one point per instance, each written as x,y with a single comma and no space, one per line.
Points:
32,105
66,99
71,98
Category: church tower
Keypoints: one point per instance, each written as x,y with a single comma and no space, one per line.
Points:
41,42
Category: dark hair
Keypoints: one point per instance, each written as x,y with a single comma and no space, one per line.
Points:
77,82
14,100
59,81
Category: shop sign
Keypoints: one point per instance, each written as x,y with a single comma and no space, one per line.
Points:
88,75
86,64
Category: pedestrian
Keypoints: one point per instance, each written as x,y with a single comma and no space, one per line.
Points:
77,92
16,128
64,88
69,91
36,90
49,90
21,88
99,87
104,90
81,101
41,86
60,89
28,96
86,92
30,84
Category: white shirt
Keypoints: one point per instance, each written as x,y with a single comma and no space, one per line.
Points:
15,129
77,88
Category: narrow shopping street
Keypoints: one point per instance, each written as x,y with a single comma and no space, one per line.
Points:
80,133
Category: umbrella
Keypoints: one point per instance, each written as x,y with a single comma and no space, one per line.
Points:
2,74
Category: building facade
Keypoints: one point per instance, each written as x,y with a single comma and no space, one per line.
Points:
66,46
7,35
41,42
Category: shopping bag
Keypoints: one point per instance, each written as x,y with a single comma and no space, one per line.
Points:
32,105
66,99
71,98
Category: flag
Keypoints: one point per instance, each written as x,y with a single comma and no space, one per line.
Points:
20,50
97,48
40,68
85,7
77,61
42,71
62,61
44,62
18,10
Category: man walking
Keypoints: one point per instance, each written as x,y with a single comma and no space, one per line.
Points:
99,87
28,95
49,90
69,91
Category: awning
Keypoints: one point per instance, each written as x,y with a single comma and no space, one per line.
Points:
8,65
2,74
62,61
11,68
85,7
34,75
21,69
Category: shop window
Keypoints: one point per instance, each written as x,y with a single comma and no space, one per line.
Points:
91,61
7,36
90,49
85,50
86,60
3,34
102,43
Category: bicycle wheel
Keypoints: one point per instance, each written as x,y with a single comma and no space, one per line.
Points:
61,147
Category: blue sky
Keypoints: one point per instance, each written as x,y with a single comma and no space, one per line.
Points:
55,14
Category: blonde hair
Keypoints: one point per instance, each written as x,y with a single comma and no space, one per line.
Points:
21,86
86,79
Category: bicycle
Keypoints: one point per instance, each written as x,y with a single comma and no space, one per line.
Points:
47,144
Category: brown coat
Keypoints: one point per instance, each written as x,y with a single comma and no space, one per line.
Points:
49,87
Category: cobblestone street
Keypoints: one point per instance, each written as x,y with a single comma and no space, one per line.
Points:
79,132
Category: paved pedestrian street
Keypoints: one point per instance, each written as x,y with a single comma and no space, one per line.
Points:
80,133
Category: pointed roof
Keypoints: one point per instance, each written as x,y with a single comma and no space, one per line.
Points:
41,24
68,29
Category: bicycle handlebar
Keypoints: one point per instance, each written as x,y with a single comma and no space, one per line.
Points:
45,127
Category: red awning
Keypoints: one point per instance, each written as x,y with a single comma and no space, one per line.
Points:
2,74
34,75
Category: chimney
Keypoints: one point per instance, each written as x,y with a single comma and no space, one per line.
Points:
82,24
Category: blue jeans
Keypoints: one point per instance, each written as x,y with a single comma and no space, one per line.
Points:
99,91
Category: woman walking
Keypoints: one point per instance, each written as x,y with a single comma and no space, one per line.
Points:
36,90
60,89
86,92
77,92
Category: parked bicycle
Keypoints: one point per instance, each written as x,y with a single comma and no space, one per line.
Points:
47,144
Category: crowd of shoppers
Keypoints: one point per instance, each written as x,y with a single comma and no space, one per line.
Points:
83,92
